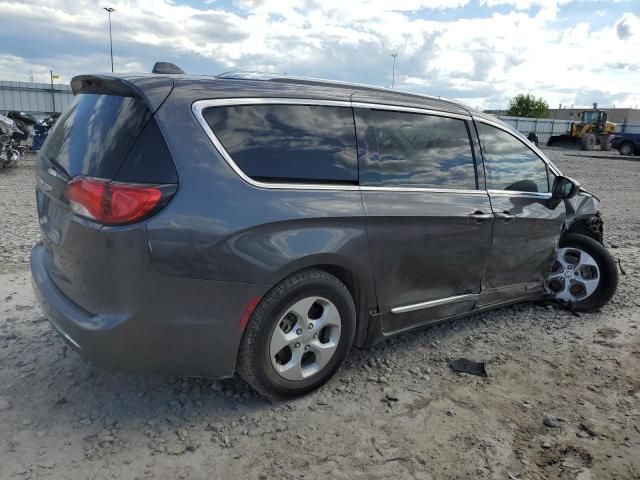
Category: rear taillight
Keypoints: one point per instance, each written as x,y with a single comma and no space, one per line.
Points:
115,203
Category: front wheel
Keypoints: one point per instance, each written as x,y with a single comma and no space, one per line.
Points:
584,275
626,148
588,141
298,336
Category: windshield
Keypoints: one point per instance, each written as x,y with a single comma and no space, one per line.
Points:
590,117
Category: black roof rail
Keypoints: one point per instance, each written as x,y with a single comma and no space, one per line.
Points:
285,78
166,67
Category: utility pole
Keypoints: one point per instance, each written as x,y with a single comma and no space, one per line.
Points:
109,11
393,74
53,96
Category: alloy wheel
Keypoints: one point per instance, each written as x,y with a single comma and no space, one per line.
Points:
575,275
305,338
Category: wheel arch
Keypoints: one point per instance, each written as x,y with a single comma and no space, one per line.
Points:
588,225
358,282
584,217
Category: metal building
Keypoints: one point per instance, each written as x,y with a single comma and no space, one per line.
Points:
39,99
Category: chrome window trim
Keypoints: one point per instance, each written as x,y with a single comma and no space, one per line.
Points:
198,106
435,303
418,110
518,193
373,188
530,146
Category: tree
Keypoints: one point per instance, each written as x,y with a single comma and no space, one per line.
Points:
528,106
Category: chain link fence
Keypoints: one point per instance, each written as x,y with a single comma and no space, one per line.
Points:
544,127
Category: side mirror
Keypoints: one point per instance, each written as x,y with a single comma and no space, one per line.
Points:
564,188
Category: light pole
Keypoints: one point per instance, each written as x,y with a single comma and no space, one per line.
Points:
109,11
393,75
53,95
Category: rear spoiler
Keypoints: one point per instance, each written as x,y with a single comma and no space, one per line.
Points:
102,85
153,89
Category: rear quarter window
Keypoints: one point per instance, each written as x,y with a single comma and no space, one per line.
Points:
288,143
94,135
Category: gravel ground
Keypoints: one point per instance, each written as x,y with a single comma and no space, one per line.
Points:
18,219
562,399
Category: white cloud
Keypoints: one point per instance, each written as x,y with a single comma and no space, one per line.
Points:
627,27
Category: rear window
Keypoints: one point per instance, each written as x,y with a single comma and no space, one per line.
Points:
289,143
93,137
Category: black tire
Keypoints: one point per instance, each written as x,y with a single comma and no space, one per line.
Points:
605,143
588,141
626,148
254,363
608,271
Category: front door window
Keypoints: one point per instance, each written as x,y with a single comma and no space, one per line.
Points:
510,164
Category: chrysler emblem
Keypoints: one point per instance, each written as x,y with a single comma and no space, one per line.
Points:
44,185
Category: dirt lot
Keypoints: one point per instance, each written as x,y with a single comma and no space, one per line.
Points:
397,411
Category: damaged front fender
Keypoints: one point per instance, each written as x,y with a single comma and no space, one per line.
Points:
583,216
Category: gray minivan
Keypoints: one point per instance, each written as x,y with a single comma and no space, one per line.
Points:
197,225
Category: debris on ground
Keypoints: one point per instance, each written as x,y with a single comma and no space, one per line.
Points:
551,421
464,365
620,267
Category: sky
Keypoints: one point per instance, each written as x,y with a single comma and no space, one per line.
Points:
480,52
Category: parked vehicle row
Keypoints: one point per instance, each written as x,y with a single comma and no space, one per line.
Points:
9,153
202,225
14,132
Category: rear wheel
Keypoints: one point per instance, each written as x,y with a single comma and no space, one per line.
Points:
298,336
588,141
605,143
584,275
626,148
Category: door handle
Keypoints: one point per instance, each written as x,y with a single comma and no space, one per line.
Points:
506,217
480,217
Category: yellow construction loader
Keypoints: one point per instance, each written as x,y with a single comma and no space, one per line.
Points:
592,129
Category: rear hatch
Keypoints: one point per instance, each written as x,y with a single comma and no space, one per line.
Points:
102,171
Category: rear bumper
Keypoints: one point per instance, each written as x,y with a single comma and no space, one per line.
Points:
182,327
